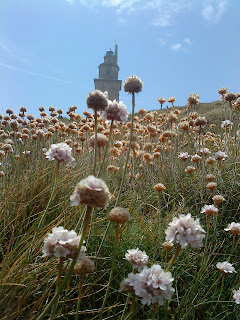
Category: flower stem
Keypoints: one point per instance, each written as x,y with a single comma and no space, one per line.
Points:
174,258
60,266
129,148
95,144
79,295
106,149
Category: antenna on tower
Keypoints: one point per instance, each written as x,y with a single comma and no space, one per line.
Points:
116,52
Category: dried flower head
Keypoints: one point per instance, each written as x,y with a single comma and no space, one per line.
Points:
133,84
190,169
84,265
159,187
185,231
119,215
61,152
137,258
230,96
183,156
167,245
91,191
101,140
97,100
218,199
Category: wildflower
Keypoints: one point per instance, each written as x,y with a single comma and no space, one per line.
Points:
133,84
61,243
204,151
183,156
190,169
236,296
212,186
218,199
209,209
226,124
137,258
230,96
196,158
222,91
115,111
185,231
153,285
84,265
234,228
220,155
159,187
97,100
101,140
167,245
61,152
91,191
119,215
171,100
210,177
200,121
225,267
193,99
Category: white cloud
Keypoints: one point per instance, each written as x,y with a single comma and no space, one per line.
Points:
213,10
187,41
69,1
176,47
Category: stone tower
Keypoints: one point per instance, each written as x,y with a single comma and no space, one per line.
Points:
108,75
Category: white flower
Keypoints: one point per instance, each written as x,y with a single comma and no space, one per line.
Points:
225,267
220,155
137,258
61,152
226,124
209,209
115,111
233,227
183,156
204,151
61,243
236,296
153,285
185,231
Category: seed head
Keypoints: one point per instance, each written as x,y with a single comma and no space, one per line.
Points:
97,100
119,215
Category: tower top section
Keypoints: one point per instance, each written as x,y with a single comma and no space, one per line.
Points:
108,75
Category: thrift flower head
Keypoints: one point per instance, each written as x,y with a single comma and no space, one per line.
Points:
137,258
234,228
119,215
97,100
236,296
61,243
183,156
91,191
225,267
61,152
153,285
185,231
226,124
115,111
209,209
220,155
133,84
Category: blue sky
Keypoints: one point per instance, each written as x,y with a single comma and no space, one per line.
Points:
50,49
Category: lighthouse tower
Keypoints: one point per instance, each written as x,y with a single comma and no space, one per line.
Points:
108,75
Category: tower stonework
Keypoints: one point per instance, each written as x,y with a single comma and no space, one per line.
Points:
108,75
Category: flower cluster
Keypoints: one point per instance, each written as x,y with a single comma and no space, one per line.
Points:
62,243
153,285
185,231
137,258
225,267
234,227
91,191
236,296
61,152
115,111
